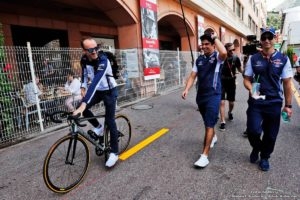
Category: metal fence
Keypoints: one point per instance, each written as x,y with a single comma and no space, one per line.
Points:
18,65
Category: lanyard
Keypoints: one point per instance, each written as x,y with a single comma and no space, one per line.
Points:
230,66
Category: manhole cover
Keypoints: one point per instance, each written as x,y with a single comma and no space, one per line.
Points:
142,107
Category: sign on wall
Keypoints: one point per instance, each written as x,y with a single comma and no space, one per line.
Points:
150,39
131,62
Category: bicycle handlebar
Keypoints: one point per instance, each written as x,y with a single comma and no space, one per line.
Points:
69,115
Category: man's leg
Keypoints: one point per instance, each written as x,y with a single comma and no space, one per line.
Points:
254,129
209,134
231,98
209,112
231,106
87,113
222,108
222,111
110,109
270,125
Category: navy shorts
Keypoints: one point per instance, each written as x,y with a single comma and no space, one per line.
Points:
209,110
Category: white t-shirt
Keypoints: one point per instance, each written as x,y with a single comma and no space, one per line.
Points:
73,87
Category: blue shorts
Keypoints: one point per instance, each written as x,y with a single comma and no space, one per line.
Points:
209,110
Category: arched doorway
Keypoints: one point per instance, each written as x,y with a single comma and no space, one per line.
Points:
171,31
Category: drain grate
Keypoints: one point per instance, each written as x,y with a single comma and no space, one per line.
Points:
142,107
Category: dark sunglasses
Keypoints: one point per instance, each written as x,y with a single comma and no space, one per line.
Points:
91,50
269,37
231,50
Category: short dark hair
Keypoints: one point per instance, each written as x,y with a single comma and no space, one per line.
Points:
208,38
227,45
71,73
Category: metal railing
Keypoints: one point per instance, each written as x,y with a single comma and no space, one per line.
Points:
18,65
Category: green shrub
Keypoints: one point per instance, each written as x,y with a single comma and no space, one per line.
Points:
5,101
289,53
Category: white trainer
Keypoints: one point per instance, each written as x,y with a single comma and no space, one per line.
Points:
99,130
202,162
214,141
113,158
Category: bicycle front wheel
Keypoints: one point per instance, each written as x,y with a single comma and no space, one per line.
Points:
66,164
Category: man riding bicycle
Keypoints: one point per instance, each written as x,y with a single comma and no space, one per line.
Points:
97,68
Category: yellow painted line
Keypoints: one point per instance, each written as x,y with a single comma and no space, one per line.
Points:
143,144
296,94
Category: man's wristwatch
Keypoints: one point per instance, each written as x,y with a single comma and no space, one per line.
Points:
288,106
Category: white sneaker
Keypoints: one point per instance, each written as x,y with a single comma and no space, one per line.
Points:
202,162
113,158
214,140
99,130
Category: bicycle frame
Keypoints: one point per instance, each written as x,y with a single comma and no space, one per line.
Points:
75,130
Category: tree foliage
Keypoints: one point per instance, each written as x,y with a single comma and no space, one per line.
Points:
274,20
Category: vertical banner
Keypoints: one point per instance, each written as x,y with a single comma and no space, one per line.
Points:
222,34
200,21
150,39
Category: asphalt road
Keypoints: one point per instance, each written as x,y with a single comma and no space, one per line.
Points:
164,169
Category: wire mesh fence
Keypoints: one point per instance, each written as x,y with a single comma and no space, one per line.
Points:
22,117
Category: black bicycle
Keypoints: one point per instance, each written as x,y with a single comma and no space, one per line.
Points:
67,160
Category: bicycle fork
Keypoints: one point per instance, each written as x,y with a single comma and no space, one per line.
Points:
72,146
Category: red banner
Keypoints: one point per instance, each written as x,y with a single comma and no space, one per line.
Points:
150,39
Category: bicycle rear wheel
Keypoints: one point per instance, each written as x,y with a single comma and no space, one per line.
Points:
124,132
66,164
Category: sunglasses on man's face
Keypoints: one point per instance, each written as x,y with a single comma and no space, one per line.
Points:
91,50
265,37
231,50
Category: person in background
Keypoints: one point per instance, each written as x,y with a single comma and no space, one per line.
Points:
207,69
229,70
295,58
47,73
30,93
297,73
102,88
266,74
72,86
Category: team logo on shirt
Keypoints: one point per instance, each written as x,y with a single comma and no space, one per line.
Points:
200,63
212,59
100,67
277,63
258,63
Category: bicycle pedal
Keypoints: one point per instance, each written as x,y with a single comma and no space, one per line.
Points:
99,152
93,135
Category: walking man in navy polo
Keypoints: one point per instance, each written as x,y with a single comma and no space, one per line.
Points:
265,74
208,72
